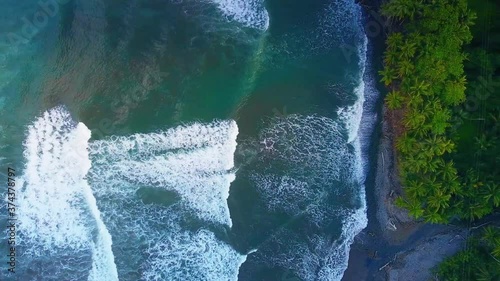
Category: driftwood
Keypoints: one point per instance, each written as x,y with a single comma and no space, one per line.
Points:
392,224
476,227
454,237
391,261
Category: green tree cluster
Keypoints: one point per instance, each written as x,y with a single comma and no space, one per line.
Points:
476,129
424,68
449,96
480,261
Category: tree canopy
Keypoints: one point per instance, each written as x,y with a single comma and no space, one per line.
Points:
444,82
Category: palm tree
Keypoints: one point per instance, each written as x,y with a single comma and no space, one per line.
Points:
477,210
412,164
420,87
492,191
433,217
421,131
405,68
401,9
483,143
463,114
447,170
416,37
490,234
432,183
484,273
426,153
406,143
469,18
401,203
440,145
432,105
417,188
440,122
414,119
446,146
388,75
454,92
432,165
394,40
433,142
494,118
454,186
407,50
439,200
390,57
466,21
415,101
414,208
394,100
405,85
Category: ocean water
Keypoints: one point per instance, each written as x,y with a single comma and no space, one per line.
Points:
184,139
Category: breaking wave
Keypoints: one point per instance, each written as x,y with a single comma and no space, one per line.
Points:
190,169
195,161
65,222
251,13
321,185
57,210
323,163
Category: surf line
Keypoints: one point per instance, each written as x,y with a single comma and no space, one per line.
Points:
103,261
56,150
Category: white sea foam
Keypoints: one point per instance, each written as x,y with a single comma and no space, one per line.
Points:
195,161
334,30
54,183
319,161
314,256
251,13
341,23
359,134
315,159
313,143
324,155
284,193
192,256
352,117
57,209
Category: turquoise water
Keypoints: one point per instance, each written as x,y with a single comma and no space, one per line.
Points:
184,139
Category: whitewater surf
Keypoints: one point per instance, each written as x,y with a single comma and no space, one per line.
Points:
188,140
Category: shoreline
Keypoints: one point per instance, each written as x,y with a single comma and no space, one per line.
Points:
393,246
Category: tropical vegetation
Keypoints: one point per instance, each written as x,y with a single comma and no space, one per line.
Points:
480,261
441,66
441,162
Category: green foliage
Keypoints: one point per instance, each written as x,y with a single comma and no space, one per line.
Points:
388,75
401,9
424,67
394,100
448,153
478,262
454,92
